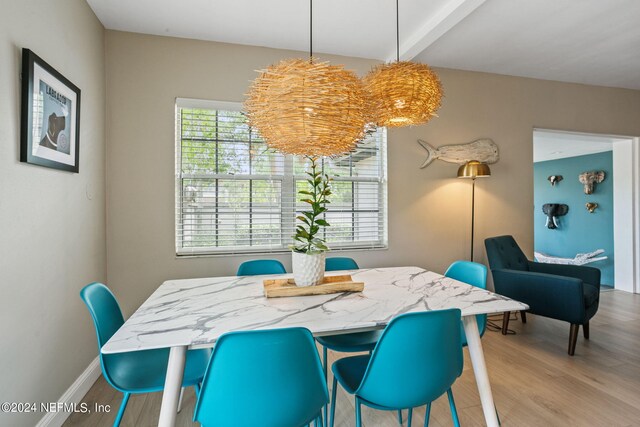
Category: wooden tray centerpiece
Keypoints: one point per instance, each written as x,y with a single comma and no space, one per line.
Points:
275,288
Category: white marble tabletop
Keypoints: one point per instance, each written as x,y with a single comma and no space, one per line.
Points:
195,312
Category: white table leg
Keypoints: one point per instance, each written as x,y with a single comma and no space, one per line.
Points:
172,386
480,370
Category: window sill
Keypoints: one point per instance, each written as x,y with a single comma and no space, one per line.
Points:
273,252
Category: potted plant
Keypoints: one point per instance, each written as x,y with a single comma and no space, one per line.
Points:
308,250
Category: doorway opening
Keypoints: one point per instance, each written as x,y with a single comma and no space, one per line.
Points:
586,203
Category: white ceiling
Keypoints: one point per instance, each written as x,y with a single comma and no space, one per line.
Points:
361,28
552,145
584,41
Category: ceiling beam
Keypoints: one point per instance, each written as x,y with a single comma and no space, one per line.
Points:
447,17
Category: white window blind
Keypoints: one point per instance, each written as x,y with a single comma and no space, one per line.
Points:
234,195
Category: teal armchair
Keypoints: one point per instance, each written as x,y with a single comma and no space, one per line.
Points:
569,293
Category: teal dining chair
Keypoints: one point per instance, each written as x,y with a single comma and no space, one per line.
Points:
340,263
137,371
270,378
416,360
473,274
345,343
258,267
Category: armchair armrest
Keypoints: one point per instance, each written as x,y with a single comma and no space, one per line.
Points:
588,275
558,297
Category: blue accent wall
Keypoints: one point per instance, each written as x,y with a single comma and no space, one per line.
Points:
579,231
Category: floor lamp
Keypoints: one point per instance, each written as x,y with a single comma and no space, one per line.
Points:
473,169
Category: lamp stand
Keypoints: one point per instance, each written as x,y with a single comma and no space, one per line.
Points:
473,212
473,169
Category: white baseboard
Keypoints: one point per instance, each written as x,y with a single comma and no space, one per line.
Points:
74,394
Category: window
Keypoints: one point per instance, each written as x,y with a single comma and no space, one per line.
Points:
234,195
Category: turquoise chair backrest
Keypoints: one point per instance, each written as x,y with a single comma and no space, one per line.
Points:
416,360
104,310
270,378
340,263
258,267
475,275
468,272
107,319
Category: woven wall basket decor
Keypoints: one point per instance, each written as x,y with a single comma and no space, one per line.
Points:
403,93
308,107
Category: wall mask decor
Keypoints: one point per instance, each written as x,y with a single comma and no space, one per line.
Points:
554,179
589,179
553,211
483,150
591,206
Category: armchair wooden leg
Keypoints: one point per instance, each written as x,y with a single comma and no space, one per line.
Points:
585,330
573,338
505,323
524,316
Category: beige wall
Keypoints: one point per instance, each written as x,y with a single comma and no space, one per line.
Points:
52,235
429,210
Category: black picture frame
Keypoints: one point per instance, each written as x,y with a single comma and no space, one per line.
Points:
50,116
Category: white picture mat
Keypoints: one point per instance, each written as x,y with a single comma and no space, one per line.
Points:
40,74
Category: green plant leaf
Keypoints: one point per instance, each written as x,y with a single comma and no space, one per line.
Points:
303,219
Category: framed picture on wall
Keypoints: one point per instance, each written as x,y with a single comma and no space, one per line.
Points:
50,116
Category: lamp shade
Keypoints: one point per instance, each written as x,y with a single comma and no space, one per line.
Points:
474,169
308,107
403,93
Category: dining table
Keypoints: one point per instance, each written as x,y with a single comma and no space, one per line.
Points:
193,313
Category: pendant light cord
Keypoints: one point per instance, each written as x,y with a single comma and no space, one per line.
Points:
397,32
310,30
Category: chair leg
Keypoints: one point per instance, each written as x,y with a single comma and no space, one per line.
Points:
400,416
585,330
426,415
454,411
573,338
409,417
180,399
358,413
197,389
333,401
324,366
505,323
324,361
523,314
123,406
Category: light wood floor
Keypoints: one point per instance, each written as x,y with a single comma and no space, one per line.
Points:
534,381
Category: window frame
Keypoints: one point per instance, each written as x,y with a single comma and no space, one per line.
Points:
287,181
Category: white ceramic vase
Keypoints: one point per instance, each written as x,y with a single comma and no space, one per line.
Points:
308,270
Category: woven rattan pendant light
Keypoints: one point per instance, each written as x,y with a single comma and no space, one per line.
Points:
403,93
308,107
